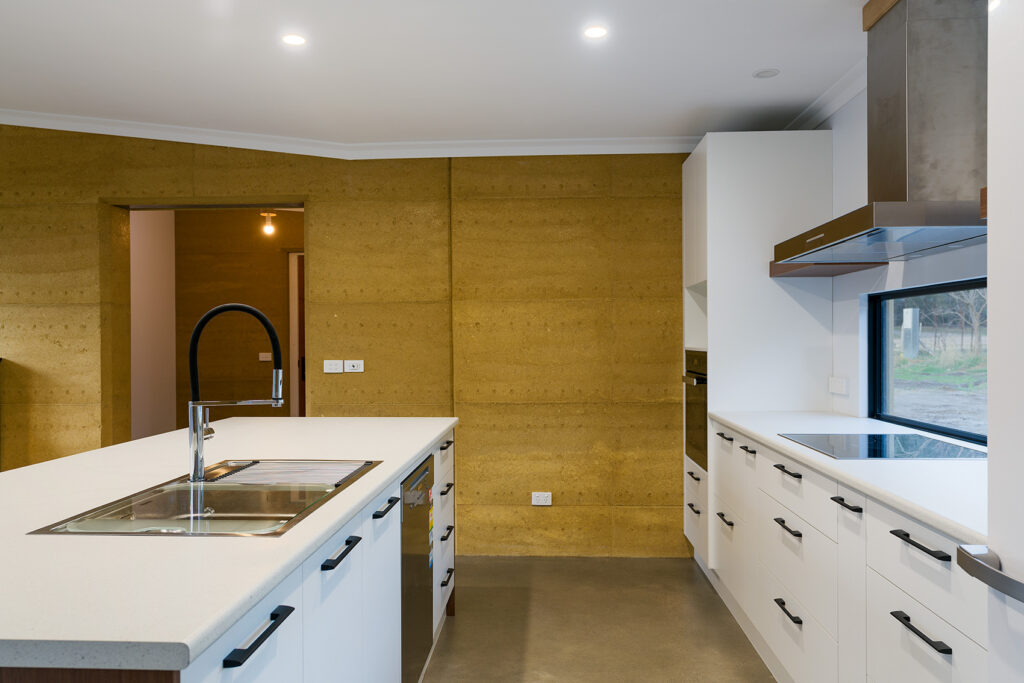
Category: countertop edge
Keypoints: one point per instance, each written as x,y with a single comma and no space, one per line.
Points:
957,531
93,654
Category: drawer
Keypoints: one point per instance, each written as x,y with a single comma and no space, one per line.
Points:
806,564
730,538
444,495
736,480
277,658
898,655
803,490
695,526
444,457
850,604
805,649
442,563
929,573
695,481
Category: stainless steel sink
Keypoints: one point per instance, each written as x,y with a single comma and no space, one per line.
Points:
238,498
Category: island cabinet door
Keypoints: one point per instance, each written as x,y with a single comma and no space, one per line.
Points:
332,602
264,646
382,588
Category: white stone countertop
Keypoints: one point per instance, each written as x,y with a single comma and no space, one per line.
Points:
950,496
142,602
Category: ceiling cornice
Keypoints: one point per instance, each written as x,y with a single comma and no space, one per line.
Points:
851,84
361,150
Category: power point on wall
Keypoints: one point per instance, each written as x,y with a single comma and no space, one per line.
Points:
353,366
542,497
332,366
838,385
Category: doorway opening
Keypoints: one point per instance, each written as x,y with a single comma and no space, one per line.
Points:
184,261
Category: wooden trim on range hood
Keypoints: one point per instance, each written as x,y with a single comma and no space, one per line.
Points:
875,10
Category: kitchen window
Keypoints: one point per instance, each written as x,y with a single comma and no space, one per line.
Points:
928,358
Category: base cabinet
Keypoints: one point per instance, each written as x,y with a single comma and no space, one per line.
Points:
277,657
840,587
382,589
332,608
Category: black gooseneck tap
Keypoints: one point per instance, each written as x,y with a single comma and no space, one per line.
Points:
199,410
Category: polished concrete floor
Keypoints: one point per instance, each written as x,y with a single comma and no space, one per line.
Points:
590,619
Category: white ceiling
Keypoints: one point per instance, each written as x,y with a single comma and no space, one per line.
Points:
389,77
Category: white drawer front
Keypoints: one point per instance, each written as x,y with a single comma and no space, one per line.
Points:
898,655
444,457
806,564
934,581
695,522
695,480
801,489
806,650
736,481
278,658
851,599
732,541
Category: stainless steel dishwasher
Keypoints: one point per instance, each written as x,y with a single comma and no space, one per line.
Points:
417,569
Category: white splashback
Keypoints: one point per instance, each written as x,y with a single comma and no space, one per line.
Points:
769,340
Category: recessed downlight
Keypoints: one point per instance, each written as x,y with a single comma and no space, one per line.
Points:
595,31
766,73
293,39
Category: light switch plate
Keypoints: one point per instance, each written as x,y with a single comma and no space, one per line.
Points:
332,366
353,366
541,497
265,357
838,385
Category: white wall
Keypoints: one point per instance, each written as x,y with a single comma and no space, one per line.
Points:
152,309
769,340
849,126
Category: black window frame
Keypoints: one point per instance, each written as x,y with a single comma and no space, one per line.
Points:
876,342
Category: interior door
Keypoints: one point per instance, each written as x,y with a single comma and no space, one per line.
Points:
1006,332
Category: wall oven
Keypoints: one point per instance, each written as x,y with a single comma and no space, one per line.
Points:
696,412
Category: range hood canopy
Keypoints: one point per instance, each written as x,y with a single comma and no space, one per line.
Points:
927,109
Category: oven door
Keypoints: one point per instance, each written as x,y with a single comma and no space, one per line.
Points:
696,442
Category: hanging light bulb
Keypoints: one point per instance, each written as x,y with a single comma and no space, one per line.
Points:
268,227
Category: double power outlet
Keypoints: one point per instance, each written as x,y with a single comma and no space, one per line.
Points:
338,366
541,497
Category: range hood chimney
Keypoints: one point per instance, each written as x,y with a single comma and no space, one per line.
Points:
927,109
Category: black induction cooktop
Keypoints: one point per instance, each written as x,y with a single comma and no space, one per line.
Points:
876,446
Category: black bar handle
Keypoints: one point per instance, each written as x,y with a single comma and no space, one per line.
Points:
842,501
782,606
447,489
782,468
239,656
447,445
748,450
350,543
448,532
727,438
695,510
721,515
905,537
448,577
936,645
792,532
392,502
693,476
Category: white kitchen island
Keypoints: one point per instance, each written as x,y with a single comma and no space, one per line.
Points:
148,603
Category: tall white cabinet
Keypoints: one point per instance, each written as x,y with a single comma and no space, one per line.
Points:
769,342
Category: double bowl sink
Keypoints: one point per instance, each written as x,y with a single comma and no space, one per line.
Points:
237,498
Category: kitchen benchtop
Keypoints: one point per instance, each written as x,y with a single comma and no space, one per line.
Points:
948,495
139,602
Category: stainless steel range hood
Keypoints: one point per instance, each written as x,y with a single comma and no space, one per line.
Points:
927,111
